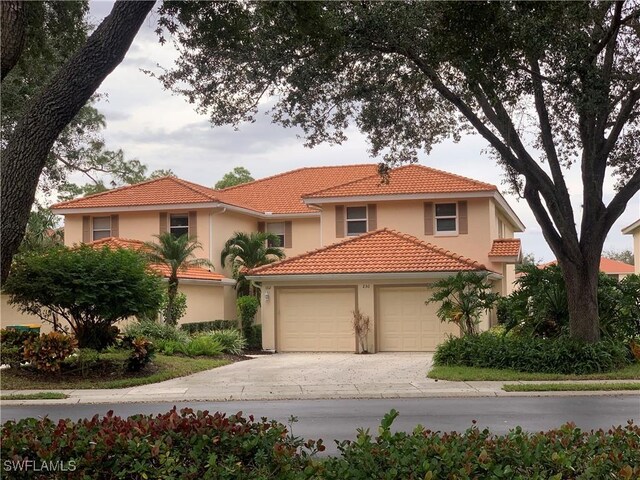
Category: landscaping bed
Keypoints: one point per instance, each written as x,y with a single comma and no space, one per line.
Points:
194,445
571,387
110,372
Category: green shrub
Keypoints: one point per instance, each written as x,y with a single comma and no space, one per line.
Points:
247,308
200,345
172,313
566,452
84,359
191,445
174,445
155,331
531,354
254,341
462,299
90,288
12,346
46,352
206,326
231,340
141,353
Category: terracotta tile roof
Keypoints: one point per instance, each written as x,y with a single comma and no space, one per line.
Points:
191,273
409,179
505,247
607,265
160,191
282,193
381,251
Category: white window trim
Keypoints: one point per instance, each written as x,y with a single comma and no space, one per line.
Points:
178,214
445,233
347,220
94,230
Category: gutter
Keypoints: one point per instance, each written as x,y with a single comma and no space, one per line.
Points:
363,276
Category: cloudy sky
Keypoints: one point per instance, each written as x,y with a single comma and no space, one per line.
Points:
163,131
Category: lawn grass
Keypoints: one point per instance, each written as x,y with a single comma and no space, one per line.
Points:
35,396
570,387
162,368
463,374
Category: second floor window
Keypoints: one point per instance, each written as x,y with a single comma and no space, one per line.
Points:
101,227
179,224
356,220
446,218
277,229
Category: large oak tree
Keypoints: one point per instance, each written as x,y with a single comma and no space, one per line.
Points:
547,84
26,149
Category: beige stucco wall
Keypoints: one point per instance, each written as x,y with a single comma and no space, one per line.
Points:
305,236
636,250
365,302
9,315
205,302
225,224
408,217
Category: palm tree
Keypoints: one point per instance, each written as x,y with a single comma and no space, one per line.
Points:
247,251
177,254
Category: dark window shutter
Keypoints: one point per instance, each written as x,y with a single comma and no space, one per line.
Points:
287,234
372,217
428,218
261,227
163,222
339,221
86,229
115,226
193,224
463,223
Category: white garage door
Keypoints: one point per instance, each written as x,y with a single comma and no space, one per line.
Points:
406,324
315,320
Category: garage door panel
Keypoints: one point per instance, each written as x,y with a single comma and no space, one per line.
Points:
316,320
406,323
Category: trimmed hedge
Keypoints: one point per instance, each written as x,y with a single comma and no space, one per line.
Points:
197,445
212,325
531,354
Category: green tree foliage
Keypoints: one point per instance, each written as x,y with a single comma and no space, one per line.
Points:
237,176
244,251
43,232
462,298
55,30
546,84
88,288
538,306
625,256
177,254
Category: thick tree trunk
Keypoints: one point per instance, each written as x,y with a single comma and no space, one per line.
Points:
28,147
582,298
12,33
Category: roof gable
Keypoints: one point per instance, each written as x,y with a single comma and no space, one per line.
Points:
409,179
159,191
381,251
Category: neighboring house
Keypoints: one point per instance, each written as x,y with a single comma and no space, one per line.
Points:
634,229
388,241
612,268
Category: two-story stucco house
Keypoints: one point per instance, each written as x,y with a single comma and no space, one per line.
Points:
350,240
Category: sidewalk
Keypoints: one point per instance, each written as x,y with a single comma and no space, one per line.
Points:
305,377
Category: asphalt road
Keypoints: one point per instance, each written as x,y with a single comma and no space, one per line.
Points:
339,419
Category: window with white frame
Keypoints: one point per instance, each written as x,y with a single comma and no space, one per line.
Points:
356,220
101,227
277,229
179,224
446,218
